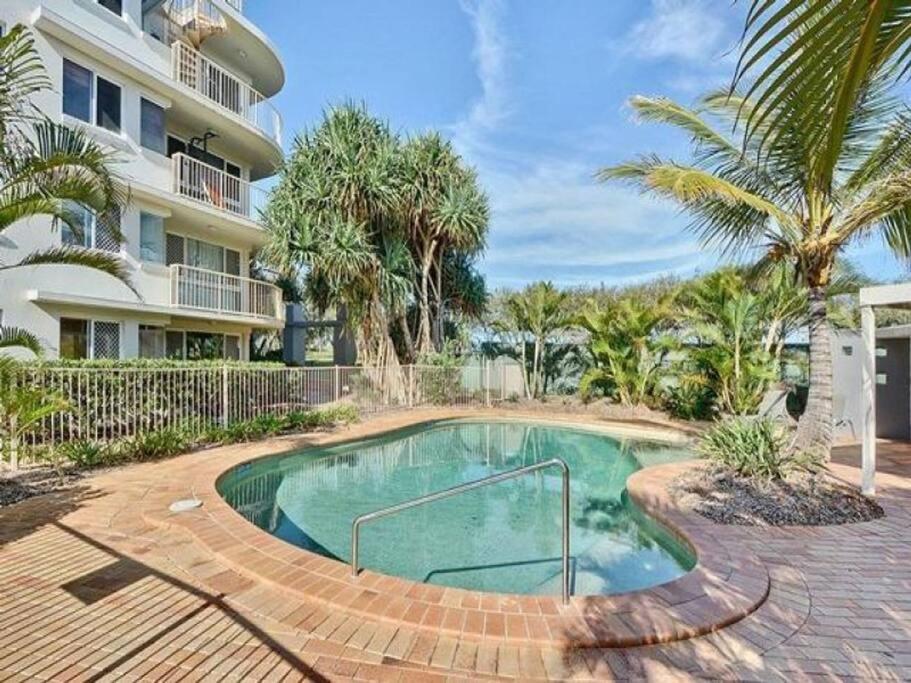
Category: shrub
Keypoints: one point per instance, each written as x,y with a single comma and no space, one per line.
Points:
85,453
154,445
754,447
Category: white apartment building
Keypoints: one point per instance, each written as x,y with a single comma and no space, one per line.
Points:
180,90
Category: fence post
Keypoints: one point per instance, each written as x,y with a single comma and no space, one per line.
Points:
502,382
225,405
411,386
487,382
337,385
13,443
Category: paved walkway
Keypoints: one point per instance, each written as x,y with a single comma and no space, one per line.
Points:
89,590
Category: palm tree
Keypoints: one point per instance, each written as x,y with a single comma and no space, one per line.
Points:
47,168
443,208
745,200
728,327
628,346
810,62
539,311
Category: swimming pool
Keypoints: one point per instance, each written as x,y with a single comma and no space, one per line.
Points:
502,538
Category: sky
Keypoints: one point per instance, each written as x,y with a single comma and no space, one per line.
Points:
533,94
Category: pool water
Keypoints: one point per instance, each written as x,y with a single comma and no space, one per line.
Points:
504,538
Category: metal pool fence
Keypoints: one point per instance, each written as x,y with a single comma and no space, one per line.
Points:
112,403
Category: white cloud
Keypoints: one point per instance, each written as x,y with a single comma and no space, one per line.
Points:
691,30
489,55
550,218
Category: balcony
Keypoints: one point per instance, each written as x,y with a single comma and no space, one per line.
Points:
218,85
207,290
211,186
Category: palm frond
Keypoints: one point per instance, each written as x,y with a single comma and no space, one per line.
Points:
21,77
78,256
16,337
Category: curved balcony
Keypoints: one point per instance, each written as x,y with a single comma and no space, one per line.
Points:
209,185
197,72
208,290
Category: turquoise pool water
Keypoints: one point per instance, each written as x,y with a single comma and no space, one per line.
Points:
503,538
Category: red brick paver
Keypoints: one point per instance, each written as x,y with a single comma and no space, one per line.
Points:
91,589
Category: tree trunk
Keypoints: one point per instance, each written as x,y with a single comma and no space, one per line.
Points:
814,430
406,333
425,344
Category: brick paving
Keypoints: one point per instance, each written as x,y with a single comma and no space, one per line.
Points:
95,585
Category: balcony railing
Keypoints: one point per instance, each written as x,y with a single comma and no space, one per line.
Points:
208,290
209,185
236,4
217,84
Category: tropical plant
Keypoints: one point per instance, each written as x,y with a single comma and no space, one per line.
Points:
533,316
744,198
726,326
334,212
755,447
445,212
628,345
23,407
46,168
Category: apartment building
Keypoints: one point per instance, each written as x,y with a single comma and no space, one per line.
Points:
180,90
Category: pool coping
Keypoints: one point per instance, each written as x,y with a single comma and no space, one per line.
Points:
721,589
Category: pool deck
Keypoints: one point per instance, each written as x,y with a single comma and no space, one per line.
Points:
101,582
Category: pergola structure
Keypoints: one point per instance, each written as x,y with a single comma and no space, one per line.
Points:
888,296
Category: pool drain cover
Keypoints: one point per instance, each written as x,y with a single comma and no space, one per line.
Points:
185,505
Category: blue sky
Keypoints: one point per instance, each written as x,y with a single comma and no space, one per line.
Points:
533,94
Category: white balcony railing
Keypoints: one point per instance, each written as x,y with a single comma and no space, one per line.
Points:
208,290
217,84
236,4
209,185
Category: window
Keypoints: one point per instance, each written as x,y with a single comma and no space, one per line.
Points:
205,346
152,342
91,231
74,338
232,347
205,255
151,238
116,6
105,339
77,91
151,127
107,105
83,90
174,345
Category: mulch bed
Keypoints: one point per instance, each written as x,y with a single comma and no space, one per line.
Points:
35,480
801,499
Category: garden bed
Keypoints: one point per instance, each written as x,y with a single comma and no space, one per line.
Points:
800,499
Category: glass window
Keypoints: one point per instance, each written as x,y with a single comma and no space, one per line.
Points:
74,338
79,234
151,238
77,91
232,347
205,255
174,344
152,343
205,346
116,6
107,105
151,127
105,339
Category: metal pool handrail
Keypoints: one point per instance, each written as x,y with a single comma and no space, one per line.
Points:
470,486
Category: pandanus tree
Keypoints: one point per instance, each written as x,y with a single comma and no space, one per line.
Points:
445,212
334,213
779,202
47,169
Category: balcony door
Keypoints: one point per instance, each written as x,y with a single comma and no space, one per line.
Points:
214,282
